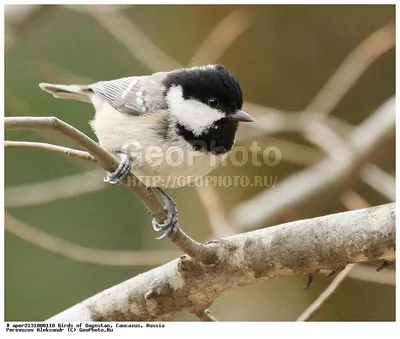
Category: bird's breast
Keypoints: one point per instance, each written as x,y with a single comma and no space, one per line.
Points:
159,159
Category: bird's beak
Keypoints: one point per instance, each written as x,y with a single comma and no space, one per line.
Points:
240,115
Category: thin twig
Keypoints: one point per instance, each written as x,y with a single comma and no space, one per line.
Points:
50,147
84,254
325,295
362,57
221,37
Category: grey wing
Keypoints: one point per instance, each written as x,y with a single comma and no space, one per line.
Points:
133,95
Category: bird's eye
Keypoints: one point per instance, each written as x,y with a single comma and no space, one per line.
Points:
213,103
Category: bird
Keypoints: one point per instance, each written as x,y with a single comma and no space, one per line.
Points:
168,128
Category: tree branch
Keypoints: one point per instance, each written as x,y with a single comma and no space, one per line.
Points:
300,247
109,163
50,147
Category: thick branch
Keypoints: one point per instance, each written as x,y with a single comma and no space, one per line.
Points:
300,247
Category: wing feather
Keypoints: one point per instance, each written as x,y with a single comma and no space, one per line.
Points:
133,95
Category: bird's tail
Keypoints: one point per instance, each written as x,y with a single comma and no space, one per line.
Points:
74,92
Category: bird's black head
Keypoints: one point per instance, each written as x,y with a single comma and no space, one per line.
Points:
206,104
212,85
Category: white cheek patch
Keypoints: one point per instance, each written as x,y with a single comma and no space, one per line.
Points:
192,114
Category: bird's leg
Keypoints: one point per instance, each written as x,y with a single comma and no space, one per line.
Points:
122,170
170,224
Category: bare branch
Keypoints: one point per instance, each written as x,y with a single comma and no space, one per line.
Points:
84,254
325,295
224,34
375,45
50,147
299,192
107,162
104,159
299,247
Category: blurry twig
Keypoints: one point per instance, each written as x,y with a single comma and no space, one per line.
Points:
352,68
50,147
20,19
83,254
320,181
291,152
213,205
51,190
325,295
138,44
221,38
353,201
378,179
271,120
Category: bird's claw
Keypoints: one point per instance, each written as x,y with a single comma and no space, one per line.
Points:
171,222
121,172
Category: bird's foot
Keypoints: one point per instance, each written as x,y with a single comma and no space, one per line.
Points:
122,170
169,226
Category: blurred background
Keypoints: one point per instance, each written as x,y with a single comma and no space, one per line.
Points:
314,78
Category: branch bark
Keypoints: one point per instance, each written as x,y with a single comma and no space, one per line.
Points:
300,247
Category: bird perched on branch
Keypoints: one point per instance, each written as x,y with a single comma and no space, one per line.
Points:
168,128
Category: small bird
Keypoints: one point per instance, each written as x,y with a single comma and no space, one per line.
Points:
168,128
